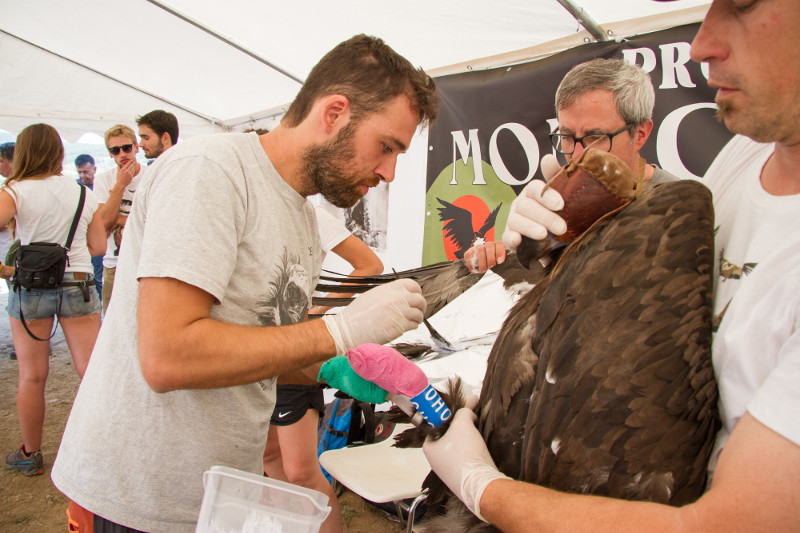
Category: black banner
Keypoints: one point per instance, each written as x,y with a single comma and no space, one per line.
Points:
493,128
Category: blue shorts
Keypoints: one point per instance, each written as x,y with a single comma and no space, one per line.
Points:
38,304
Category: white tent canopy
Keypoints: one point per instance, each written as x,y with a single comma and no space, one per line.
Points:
85,65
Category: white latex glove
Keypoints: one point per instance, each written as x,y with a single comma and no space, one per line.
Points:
533,214
460,458
380,315
550,166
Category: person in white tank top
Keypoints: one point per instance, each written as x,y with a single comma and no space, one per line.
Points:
44,203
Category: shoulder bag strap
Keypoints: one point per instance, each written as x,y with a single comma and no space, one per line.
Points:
75,220
22,319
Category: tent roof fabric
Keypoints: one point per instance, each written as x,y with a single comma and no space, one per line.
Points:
85,65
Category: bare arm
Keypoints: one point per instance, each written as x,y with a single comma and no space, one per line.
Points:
7,211
181,347
96,236
304,376
109,210
361,257
8,208
754,489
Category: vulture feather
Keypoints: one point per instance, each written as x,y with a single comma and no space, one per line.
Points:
441,283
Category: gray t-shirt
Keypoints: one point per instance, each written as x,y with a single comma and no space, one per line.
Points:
212,212
662,176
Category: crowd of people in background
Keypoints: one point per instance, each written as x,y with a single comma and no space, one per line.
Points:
38,204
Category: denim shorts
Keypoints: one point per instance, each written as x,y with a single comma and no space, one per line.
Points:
38,303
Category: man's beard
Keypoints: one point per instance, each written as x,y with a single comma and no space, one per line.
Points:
329,167
157,151
750,122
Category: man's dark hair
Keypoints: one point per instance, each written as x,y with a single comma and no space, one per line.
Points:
7,151
160,122
369,74
83,159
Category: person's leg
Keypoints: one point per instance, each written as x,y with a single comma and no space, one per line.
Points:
33,365
298,447
80,321
97,266
273,462
81,334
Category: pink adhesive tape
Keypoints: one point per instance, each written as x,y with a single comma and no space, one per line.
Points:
387,368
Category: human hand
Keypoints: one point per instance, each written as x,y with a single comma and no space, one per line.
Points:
532,213
125,174
460,458
338,373
7,272
482,257
380,315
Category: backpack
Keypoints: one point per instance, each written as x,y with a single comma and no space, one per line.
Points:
348,422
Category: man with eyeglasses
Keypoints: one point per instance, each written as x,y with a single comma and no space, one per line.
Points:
608,104
754,63
603,103
115,189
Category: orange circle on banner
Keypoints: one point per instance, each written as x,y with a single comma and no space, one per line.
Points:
480,212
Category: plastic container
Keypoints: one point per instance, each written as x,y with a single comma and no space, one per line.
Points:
241,502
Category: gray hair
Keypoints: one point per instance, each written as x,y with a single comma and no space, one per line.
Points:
631,86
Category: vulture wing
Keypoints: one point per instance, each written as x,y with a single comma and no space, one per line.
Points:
489,223
457,226
441,283
623,402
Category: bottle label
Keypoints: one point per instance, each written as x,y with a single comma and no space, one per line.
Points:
431,407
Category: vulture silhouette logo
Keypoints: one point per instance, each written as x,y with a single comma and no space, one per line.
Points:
467,221
461,210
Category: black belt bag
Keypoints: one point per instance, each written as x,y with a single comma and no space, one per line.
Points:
41,265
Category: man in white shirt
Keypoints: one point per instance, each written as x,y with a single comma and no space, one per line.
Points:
115,189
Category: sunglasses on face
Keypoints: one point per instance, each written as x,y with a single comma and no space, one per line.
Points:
114,150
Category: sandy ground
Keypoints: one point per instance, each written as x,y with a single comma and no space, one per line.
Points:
33,504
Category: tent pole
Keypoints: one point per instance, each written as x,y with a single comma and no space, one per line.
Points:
226,40
585,20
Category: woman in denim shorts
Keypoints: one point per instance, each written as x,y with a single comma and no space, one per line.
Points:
43,202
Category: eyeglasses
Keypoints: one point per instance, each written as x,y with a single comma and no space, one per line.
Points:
114,150
565,144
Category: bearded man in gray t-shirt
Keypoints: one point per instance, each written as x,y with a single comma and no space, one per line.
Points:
220,260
